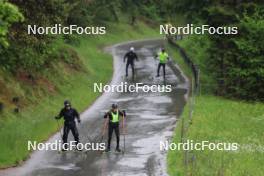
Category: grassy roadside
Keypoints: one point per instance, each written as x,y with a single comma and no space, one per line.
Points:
216,119
35,122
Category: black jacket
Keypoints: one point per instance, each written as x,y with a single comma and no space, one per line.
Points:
131,56
69,115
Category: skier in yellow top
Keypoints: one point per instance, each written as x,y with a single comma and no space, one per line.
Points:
163,57
113,117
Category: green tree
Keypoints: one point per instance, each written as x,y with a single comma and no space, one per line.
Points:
9,14
247,73
237,62
30,52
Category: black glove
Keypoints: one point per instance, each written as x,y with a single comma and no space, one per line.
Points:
57,117
79,120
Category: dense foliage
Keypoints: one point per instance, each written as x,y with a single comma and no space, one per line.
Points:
235,62
9,14
245,77
32,52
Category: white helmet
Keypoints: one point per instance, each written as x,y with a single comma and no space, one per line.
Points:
132,49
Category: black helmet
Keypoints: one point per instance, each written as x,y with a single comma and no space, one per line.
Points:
67,103
163,49
114,106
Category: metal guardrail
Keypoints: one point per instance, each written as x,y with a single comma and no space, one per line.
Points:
189,159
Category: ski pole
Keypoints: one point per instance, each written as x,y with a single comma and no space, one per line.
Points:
155,58
103,133
124,132
124,139
155,61
59,128
101,138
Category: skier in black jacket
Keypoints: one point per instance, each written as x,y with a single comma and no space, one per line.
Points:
130,56
69,114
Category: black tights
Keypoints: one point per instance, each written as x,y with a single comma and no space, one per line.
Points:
163,66
113,127
70,127
132,67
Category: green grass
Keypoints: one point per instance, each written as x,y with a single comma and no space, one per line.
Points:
36,122
176,56
217,119
220,120
197,51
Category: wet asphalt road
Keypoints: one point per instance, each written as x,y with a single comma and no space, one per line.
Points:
151,118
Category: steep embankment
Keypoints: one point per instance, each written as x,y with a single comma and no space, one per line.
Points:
41,97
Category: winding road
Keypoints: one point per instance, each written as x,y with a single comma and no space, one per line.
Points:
151,118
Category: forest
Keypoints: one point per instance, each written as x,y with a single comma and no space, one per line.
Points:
235,63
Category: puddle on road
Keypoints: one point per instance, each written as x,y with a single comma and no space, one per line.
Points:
126,174
125,99
159,99
63,167
153,116
133,162
144,149
150,144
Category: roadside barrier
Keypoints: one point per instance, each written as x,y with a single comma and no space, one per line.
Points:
189,159
188,61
